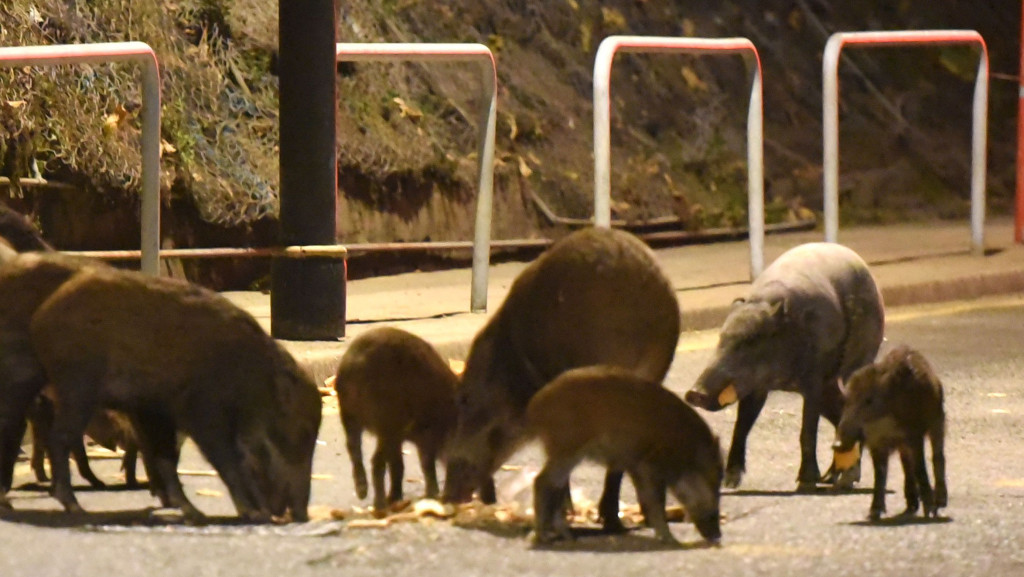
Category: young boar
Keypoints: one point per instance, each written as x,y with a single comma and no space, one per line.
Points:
811,319
595,297
176,357
612,416
109,429
892,405
394,384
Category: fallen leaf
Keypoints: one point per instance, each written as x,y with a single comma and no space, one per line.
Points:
368,523
524,169
329,382
321,476
196,473
209,493
407,111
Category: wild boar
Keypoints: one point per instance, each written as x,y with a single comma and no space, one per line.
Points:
612,416
26,281
892,405
596,296
811,319
176,357
395,385
19,232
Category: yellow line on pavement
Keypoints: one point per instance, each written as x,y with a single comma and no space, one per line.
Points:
708,339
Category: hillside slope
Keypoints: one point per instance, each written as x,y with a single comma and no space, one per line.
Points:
407,132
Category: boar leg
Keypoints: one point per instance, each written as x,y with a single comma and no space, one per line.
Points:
832,410
608,507
910,488
807,479
82,460
650,492
159,444
428,464
920,472
19,387
11,433
746,415
129,463
41,422
67,431
354,444
549,489
938,439
383,456
880,460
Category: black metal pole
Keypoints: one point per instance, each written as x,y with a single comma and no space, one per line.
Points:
307,300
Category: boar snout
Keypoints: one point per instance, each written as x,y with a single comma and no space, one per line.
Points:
702,400
709,527
459,481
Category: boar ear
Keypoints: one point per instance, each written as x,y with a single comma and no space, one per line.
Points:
738,301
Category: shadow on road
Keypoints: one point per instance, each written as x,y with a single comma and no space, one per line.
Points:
820,492
901,520
587,540
127,518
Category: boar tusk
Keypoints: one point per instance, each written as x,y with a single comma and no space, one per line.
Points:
846,459
727,396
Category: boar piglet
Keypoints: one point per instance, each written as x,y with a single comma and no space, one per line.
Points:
893,405
396,386
109,429
614,417
597,296
811,319
176,357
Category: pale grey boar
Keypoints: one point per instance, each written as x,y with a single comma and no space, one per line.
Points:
811,319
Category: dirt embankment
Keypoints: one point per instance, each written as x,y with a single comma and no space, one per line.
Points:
407,132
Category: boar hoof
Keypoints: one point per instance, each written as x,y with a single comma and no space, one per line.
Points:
5,505
875,514
733,477
613,525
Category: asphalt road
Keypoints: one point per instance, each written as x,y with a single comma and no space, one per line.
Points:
768,530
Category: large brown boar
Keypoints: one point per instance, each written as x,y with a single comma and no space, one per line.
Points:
26,281
176,357
596,296
612,416
395,385
811,319
893,405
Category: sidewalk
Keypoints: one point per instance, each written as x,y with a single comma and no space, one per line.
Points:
913,264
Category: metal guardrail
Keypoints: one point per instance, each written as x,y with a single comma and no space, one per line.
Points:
141,53
449,53
755,123
830,112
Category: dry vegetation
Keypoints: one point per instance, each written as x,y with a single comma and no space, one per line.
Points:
407,132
